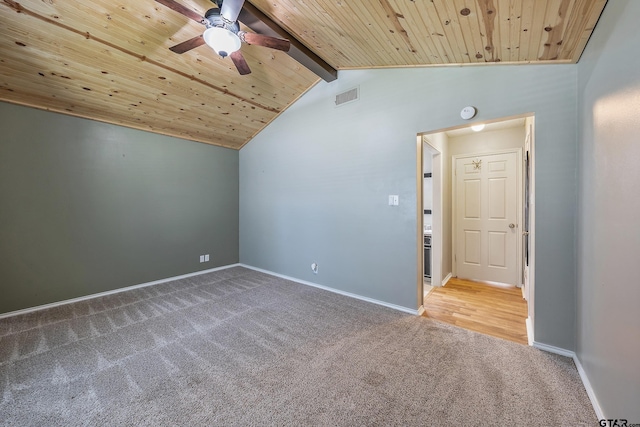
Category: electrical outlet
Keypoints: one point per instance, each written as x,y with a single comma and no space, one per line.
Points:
206,258
314,268
201,258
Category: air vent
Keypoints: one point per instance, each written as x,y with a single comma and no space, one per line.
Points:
348,96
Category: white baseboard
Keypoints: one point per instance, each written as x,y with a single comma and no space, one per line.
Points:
115,291
589,389
530,337
553,349
583,375
421,310
446,279
337,291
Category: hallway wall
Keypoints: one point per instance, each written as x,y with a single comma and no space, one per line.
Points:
608,294
487,141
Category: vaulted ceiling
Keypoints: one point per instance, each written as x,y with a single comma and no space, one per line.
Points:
110,60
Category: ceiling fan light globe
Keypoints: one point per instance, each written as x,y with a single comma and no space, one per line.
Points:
221,40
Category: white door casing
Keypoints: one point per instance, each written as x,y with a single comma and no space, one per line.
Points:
526,247
486,217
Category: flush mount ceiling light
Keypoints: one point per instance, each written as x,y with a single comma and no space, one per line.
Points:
221,40
477,128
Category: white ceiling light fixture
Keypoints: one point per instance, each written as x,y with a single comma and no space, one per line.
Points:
221,40
477,128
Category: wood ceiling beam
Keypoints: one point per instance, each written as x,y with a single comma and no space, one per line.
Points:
257,21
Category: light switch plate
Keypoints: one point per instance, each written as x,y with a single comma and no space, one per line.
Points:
393,200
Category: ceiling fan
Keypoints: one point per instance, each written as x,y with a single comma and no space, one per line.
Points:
223,33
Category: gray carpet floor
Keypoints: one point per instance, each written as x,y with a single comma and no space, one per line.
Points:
239,347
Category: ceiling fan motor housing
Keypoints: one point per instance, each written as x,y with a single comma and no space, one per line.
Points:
214,19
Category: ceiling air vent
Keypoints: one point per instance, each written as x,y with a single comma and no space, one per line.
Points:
348,96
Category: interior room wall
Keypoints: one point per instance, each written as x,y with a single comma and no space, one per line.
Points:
487,141
88,207
314,184
608,318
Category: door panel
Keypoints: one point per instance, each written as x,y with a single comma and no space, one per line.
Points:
486,205
497,165
497,249
473,248
497,198
472,199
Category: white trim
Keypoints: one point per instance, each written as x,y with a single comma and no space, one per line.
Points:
530,123
583,375
437,183
114,291
553,349
446,279
420,218
421,310
336,291
529,324
589,389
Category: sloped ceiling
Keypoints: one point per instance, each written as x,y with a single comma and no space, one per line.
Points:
110,61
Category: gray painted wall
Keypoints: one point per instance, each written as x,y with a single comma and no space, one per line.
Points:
87,207
314,185
608,315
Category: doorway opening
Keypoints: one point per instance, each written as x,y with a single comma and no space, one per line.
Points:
480,227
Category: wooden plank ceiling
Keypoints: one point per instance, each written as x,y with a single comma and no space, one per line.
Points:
110,61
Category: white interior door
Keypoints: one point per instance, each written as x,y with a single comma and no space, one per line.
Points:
486,218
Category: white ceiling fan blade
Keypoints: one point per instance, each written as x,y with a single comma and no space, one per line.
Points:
231,9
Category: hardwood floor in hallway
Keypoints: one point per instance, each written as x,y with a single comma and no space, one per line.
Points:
480,307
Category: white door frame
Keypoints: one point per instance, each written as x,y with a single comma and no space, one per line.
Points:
519,201
531,134
436,215
530,124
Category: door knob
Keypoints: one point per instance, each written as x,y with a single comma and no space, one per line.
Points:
512,225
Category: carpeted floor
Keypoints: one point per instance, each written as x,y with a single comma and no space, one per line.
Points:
239,347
